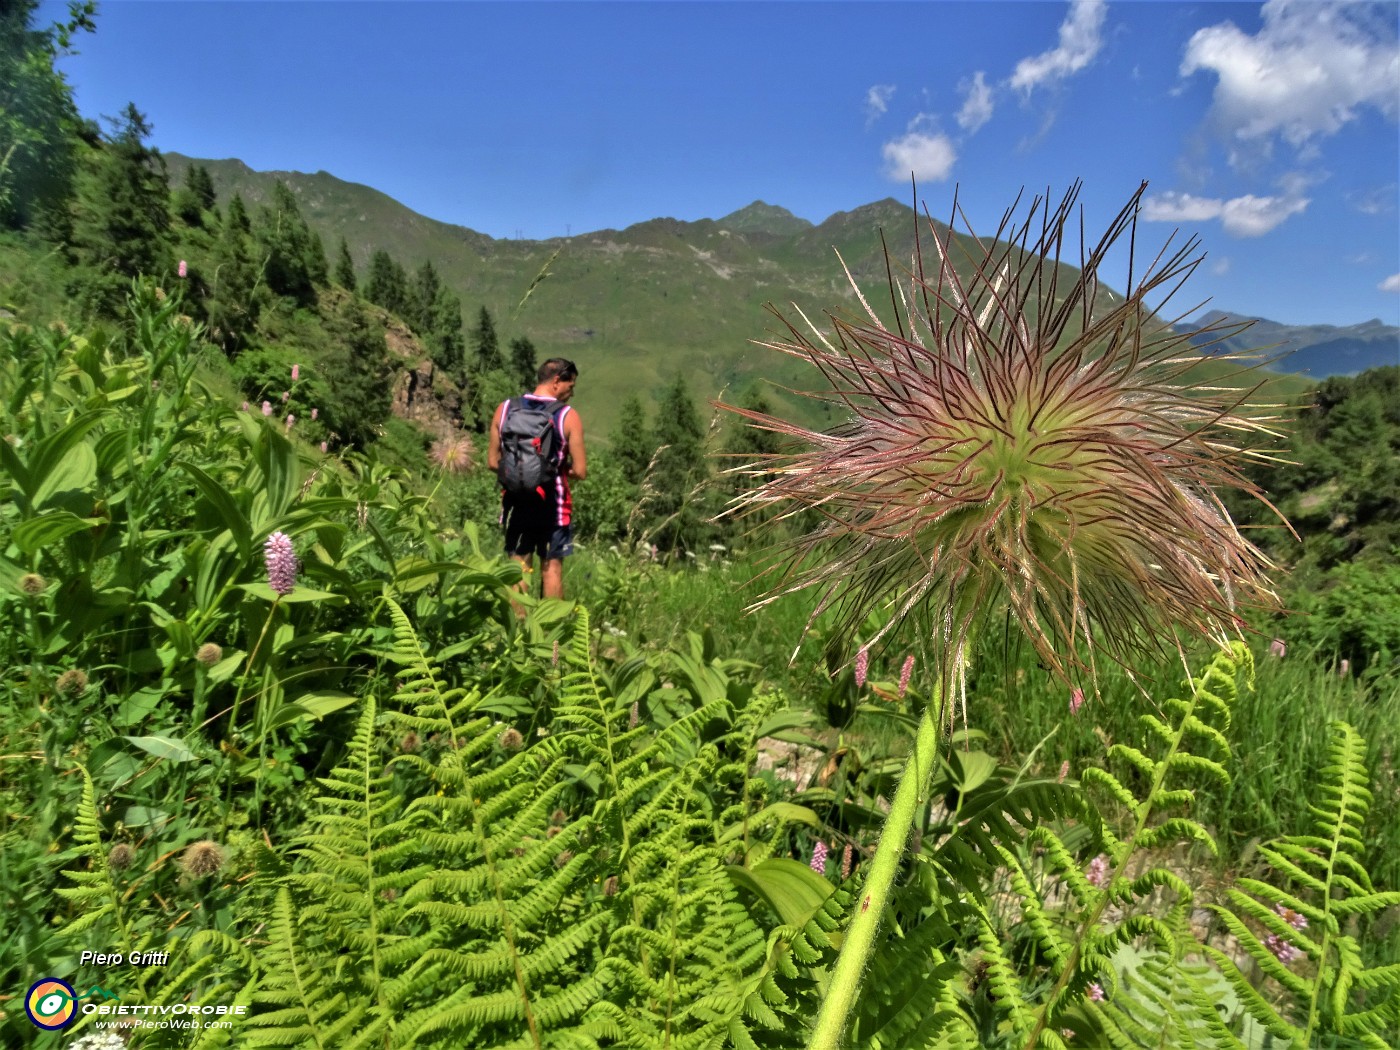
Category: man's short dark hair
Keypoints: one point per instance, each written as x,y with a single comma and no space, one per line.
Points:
557,368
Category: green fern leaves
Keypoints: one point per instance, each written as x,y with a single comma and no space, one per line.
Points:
1311,941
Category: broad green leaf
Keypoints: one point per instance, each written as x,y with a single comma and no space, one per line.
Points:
37,533
790,888
784,720
298,594
170,748
787,812
308,707
75,472
145,817
225,668
138,705
969,770
223,504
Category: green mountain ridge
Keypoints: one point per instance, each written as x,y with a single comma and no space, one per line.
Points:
634,307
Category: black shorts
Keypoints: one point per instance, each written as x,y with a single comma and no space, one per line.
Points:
533,529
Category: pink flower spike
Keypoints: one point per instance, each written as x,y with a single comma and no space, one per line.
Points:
315,412
286,394
904,674
1285,951
281,562
862,666
1096,992
267,408
323,446
1076,701
1278,647
184,270
244,408
819,858
1295,919
1064,772
1345,668
296,372
1097,875
290,420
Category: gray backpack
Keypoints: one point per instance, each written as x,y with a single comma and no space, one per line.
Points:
530,447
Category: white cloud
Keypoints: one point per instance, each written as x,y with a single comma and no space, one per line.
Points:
1247,216
1180,207
1251,216
1221,266
1378,201
929,155
1079,43
977,103
877,101
1310,69
1390,284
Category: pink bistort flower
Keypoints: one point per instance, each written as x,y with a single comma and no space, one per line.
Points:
1278,647
1076,701
267,408
819,858
904,674
296,372
281,562
862,666
183,270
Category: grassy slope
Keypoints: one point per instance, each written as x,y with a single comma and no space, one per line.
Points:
634,307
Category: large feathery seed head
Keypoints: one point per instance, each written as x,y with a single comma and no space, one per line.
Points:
1019,442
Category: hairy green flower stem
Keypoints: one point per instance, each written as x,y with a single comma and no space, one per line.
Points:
909,798
238,700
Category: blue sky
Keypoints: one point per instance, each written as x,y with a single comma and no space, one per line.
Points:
1270,131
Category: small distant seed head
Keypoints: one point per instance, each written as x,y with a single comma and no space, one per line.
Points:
610,886
32,584
202,858
209,654
562,860
410,743
72,683
558,817
120,857
511,740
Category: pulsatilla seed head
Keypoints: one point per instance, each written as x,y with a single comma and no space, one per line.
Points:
1019,442
71,683
203,858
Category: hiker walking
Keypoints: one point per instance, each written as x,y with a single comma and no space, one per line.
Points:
536,447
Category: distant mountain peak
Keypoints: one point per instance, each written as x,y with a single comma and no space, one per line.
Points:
761,217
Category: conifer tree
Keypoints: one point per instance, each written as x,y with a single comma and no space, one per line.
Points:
448,345
295,258
523,363
631,440
38,120
386,284
345,267
358,369
485,343
237,218
680,468
233,305
195,198
121,217
201,184
425,294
